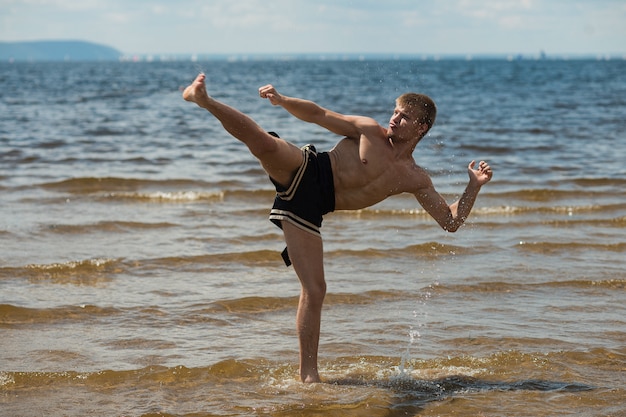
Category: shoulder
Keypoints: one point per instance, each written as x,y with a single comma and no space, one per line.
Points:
367,123
361,122
370,128
351,126
362,126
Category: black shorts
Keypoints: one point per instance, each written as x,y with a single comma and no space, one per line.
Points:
310,195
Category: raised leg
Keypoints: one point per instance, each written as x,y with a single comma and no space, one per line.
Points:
279,158
306,253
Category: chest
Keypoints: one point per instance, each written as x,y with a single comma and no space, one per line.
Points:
366,163
365,154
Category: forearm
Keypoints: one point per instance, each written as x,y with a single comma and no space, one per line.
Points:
451,217
461,209
305,110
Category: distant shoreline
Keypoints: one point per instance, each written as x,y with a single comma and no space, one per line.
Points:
317,58
71,50
361,57
82,51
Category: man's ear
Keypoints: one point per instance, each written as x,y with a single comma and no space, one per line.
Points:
422,129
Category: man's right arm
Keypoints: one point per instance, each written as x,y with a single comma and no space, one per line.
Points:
311,112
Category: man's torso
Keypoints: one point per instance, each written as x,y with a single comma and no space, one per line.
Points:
368,169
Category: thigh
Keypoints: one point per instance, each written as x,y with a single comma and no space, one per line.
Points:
282,161
307,256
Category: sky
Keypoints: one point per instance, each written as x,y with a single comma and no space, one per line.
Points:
440,27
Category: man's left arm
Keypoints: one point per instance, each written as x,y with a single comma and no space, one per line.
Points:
451,217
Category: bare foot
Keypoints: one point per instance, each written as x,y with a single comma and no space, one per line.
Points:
311,378
196,91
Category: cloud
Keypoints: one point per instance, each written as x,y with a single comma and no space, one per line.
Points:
61,5
283,26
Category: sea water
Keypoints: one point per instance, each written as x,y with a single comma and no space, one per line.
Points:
139,274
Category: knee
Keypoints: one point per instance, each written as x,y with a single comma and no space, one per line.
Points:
314,293
263,146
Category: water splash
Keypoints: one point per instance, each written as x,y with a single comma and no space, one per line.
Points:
420,315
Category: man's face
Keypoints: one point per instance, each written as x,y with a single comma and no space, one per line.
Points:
405,123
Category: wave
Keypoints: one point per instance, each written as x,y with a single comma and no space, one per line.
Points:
11,315
540,201
569,247
502,210
611,223
105,131
250,305
86,272
211,312
145,190
166,197
613,183
107,227
513,287
258,305
427,250
418,376
99,270
552,194
86,185
256,257
259,387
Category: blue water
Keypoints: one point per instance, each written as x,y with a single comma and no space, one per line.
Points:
139,274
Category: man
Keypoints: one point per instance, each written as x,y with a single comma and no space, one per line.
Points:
368,165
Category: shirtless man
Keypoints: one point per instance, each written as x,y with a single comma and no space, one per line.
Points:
368,165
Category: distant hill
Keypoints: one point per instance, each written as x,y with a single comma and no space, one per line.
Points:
56,51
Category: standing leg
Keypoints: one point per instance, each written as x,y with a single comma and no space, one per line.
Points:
306,253
279,158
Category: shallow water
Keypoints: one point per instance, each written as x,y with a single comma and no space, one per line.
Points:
139,274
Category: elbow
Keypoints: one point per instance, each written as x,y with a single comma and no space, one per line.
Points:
451,227
453,224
